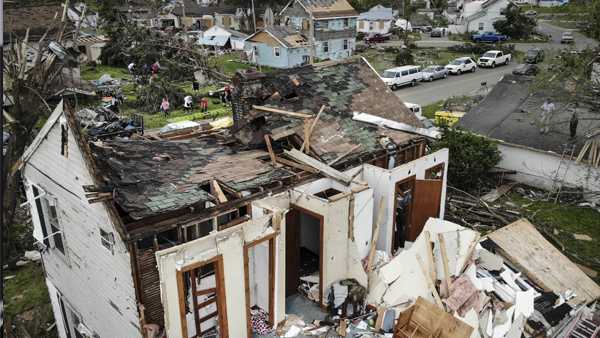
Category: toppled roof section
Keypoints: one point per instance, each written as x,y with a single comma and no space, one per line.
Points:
344,88
38,19
152,177
511,114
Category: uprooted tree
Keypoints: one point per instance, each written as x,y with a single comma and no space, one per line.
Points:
471,157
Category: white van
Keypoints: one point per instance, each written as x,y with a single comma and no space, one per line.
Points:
400,76
415,108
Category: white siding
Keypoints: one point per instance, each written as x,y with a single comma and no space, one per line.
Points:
96,283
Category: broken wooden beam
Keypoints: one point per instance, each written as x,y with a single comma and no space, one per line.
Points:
282,112
346,153
217,192
296,165
270,149
375,235
306,143
318,165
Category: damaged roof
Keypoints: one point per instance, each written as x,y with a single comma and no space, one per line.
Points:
285,36
344,87
151,177
322,9
38,19
511,112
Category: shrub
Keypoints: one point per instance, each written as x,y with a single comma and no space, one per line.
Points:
404,57
471,157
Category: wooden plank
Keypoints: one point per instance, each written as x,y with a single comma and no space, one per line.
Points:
539,260
430,283
195,305
346,153
296,165
320,166
270,148
430,260
306,143
221,300
442,244
426,203
282,112
216,190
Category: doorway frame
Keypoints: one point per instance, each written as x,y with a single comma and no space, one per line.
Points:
440,166
321,219
272,243
221,294
412,178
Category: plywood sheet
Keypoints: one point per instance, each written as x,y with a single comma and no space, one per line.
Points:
538,259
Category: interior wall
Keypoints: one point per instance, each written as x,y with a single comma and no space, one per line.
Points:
310,233
258,261
229,244
383,183
363,221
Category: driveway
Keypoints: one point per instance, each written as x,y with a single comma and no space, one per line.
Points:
426,93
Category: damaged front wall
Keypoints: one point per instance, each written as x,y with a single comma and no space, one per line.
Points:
229,244
383,182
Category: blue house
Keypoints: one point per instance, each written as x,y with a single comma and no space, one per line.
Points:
278,47
329,25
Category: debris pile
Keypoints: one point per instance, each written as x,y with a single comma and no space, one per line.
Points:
451,283
103,122
480,212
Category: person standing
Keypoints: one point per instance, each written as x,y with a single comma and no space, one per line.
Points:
547,109
187,104
164,106
204,104
130,67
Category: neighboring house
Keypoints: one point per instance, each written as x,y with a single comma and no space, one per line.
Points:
223,38
130,229
91,47
330,26
377,20
478,16
199,15
513,115
166,20
278,47
81,15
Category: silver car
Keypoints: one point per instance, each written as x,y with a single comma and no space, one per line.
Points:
434,72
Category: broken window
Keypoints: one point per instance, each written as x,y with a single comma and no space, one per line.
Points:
197,230
48,215
346,22
108,240
40,212
328,193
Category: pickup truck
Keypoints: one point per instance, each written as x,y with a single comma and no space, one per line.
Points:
493,58
489,37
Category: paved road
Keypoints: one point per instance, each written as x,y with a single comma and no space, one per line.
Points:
469,84
455,85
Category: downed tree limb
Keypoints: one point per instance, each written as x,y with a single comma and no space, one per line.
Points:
282,112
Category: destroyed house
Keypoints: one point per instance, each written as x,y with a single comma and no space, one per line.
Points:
192,232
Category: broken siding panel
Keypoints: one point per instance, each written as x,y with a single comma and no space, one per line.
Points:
97,284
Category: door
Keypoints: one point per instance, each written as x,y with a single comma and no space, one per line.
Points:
292,251
426,204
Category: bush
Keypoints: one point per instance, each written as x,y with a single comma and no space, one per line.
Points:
515,25
471,157
480,48
404,57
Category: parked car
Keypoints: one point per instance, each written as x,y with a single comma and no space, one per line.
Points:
567,37
400,76
376,38
530,13
421,29
493,58
526,69
436,33
489,37
434,72
461,65
534,55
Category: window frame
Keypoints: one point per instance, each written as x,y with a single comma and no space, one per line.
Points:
276,51
325,46
346,44
107,239
481,26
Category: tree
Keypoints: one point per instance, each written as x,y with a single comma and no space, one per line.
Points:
471,157
593,20
515,25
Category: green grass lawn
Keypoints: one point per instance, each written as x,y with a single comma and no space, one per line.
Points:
430,109
26,290
380,60
94,73
158,120
229,63
563,221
